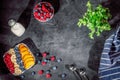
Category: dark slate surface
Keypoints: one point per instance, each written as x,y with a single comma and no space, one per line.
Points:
60,37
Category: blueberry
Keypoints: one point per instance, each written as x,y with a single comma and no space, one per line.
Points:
54,67
63,75
48,71
37,54
33,73
18,59
22,76
47,19
48,60
18,55
16,49
39,62
45,60
21,64
59,60
22,68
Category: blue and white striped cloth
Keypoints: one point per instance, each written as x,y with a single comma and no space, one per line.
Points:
110,58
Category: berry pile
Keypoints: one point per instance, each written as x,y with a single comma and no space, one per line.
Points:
9,64
43,11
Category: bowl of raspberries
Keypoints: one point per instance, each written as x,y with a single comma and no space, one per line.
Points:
43,11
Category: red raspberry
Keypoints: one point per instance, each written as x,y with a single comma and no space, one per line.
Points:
38,17
43,63
48,15
6,60
48,75
11,65
7,55
52,58
44,17
40,72
44,54
12,69
44,8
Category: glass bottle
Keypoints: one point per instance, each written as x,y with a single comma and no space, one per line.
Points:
16,27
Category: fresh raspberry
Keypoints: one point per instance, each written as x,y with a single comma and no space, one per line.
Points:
47,15
12,69
11,65
52,58
43,63
40,72
7,56
48,75
44,54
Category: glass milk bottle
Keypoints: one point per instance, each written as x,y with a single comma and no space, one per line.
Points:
17,28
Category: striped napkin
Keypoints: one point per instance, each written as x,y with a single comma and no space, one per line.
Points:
109,68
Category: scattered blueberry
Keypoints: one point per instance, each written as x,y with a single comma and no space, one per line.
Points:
33,73
22,76
39,62
54,67
45,60
48,71
59,60
37,54
48,60
63,75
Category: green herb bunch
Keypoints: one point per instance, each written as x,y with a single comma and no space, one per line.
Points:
95,19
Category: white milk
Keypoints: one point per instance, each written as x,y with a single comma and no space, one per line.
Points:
17,28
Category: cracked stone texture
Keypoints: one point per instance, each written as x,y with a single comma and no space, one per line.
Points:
60,37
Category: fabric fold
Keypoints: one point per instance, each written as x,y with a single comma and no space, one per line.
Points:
109,68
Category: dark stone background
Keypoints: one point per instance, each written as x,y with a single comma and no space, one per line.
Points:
60,36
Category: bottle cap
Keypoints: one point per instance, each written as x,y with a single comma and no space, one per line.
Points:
11,22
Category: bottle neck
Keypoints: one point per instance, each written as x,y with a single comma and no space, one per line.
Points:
11,22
